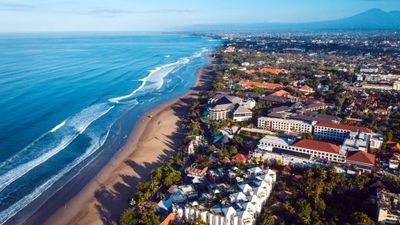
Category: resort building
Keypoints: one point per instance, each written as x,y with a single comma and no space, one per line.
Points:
311,148
284,125
388,207
245,200
242,114
338,132
247,84
228,106
279,97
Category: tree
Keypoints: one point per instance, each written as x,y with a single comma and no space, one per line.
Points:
233,150
359,218
128,217
304,211
308,136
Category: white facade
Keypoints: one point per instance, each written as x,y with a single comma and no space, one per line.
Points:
269,142
250,199
285,125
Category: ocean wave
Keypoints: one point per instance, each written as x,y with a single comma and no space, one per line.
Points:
11,211
28,147
155,78
60,140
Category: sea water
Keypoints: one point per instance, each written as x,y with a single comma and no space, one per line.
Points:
61,94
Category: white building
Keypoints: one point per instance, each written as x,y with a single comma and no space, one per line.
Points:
244,206
242,114
388,207
315,149
285,125
338,132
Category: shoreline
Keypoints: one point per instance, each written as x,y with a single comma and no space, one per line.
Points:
153,139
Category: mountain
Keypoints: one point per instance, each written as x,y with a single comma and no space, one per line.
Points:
371,20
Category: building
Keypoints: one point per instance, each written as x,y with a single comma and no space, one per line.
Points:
222,106
247,84
315,149
396,85
362,160
388,205
306,90
338,132
284,125
245,200
279,97
220,112
242,114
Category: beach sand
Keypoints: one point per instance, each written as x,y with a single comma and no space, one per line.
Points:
155,137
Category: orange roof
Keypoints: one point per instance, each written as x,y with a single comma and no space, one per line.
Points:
170,218
317,145
240,157
249,71
362,157
281,93
396,147
252,84
271,70
306,88
344,127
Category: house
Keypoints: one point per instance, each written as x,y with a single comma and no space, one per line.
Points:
278,97
240,158
247,84
271,70
361,159
306,90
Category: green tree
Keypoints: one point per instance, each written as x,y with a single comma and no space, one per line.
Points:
304,211
359,218
233,150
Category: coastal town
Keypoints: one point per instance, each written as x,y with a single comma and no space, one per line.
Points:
296,129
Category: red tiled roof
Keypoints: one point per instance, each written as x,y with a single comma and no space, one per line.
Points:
306,88
251,84
317,145
282,93
344,127
273,71
240,157
362,157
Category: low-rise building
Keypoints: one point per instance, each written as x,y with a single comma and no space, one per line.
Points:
316,149
284,125
338,132
388,205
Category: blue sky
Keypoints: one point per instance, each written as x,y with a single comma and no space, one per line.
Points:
154,15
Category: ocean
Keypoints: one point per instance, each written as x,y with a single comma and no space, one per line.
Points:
62,96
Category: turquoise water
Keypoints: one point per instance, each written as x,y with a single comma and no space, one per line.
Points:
61,94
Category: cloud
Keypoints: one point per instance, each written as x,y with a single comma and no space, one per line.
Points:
116,12
4,6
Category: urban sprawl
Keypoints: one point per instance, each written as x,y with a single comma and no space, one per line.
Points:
296,129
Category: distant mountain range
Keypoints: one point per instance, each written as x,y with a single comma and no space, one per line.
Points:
371,20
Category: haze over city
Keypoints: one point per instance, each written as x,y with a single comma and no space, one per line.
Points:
158,15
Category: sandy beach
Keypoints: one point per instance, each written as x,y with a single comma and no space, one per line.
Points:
154,138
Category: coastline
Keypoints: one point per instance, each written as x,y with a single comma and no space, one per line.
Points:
154,138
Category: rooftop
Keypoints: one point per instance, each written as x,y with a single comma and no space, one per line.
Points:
318,145
362,157
345,127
